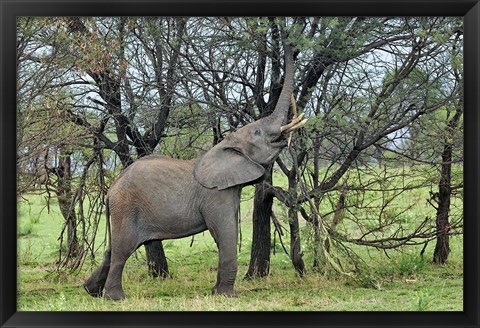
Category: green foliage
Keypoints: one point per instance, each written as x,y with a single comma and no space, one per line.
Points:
410,264
187,138
25,229
424,299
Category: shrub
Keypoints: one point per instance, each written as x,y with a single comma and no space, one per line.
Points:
25,229
410,264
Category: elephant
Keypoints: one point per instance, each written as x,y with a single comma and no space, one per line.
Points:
159,198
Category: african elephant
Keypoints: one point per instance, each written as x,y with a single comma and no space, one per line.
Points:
159,198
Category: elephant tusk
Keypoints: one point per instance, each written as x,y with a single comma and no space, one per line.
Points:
293,125
296,126
295,114
296,123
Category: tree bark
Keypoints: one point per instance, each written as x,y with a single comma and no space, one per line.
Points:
296,255
262,210
442,247
65,199
157,261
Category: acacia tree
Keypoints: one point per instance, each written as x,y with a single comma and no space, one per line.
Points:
44,155
435,141
320,43
380,121
101,63
357,112
451,140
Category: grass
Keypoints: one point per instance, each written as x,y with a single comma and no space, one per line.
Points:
401,281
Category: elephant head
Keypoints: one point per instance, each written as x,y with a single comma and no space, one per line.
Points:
243,156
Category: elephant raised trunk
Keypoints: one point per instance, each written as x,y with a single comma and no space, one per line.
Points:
279,115
242,157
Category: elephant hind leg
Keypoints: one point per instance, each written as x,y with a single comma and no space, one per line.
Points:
122,247
113,286
94,285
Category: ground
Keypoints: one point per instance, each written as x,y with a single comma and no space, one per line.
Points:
403,281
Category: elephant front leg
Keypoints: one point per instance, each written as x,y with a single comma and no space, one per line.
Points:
227,262
226,275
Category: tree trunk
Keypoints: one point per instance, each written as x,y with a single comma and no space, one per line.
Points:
157,261
442,247
65,199
295,249
316,201
261,243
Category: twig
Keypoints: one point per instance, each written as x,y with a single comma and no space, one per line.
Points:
278,228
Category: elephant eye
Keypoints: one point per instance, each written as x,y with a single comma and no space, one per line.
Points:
257,132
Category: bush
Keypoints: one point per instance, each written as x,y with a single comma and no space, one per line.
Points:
25,229
410,264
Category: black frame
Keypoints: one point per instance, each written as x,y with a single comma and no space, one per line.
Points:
10,9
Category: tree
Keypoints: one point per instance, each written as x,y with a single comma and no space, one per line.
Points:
358,112
90,58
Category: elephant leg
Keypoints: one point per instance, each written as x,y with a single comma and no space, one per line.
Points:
225,236
122,248
94,285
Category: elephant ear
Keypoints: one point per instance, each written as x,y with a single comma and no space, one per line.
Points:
224,167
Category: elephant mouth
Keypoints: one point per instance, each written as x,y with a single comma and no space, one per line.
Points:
273,154
279,141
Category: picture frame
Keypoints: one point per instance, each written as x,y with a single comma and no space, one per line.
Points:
469,9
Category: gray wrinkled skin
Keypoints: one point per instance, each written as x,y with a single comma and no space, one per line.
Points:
159,198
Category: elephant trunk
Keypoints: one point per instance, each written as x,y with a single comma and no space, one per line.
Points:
279,115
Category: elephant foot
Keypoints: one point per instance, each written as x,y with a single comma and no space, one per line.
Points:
93,288
226,291
114,293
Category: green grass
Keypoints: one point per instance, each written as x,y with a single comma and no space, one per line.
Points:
401,281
